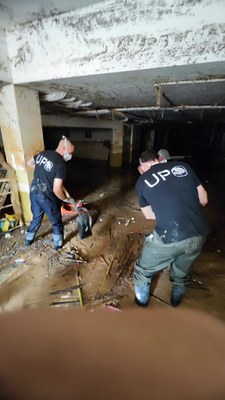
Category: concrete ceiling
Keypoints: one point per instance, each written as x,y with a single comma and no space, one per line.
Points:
191,94
17,12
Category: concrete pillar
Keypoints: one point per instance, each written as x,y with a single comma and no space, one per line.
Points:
131,143
21,127
150,138
116,154
136,143
127,144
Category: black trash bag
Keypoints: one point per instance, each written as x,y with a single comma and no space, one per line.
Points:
84,222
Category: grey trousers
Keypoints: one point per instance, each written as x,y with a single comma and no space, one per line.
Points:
156,255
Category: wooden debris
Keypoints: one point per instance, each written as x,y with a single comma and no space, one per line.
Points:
79,289
65,290
64,303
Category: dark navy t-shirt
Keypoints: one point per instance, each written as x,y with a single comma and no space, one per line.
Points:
48,166
171,191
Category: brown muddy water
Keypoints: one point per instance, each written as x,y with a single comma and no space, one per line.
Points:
97,271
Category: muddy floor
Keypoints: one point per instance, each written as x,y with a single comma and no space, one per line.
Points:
96,272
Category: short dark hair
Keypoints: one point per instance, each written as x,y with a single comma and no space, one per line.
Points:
148,155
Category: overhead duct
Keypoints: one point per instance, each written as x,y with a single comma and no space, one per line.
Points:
54,96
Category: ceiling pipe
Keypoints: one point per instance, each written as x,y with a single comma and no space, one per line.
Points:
121,114
94,112
181,82
172,104
153,108
175,108
125,112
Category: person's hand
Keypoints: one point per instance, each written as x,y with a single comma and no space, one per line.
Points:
80,203
69,200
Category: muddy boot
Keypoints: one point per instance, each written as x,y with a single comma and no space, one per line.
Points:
29,238
58,241
84,221
177,295
142,295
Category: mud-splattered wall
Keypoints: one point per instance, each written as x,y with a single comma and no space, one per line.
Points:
114,36
5,71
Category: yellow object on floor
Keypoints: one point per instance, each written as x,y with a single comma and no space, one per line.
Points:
9,222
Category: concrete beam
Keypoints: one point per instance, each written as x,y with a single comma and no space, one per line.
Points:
73,122
116,153
113,36
5,69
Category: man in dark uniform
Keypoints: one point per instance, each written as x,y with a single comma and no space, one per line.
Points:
163,155
46,192
171,194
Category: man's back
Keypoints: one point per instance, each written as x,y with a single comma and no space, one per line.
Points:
48,166
171,191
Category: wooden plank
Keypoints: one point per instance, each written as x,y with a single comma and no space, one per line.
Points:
7,179
9,205
4,186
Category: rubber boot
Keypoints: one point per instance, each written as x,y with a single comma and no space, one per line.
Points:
29,238
177,295
58,241
142,295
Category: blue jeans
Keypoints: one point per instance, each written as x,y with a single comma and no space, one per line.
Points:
40,205
156,255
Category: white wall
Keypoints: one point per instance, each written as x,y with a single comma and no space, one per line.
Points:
92,148
96,135
114,36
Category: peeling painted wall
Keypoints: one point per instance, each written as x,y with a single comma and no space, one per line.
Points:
20,121
114,36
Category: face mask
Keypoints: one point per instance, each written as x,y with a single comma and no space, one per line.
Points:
67,156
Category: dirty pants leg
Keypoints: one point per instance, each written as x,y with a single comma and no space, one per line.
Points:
41,205
38,214
157,255
154,257
187,252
